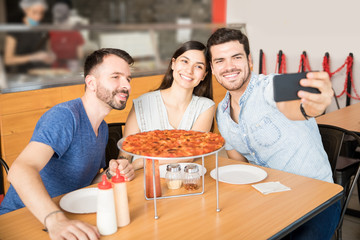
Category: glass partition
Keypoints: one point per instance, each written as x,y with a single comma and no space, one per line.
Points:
55,54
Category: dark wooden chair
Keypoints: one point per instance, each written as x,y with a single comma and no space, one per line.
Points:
2,184
115,134
345,170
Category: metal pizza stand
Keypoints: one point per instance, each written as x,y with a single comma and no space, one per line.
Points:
153,158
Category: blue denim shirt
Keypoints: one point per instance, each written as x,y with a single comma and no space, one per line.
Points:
266,137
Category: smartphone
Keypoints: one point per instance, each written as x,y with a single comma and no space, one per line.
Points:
286,86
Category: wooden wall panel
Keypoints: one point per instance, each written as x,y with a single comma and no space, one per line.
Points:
71,92
28,101
14,144
20,122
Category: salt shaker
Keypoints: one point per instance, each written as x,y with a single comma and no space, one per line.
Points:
173,176
105,215
192,177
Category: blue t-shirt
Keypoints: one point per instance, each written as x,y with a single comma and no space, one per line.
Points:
266,137
79,153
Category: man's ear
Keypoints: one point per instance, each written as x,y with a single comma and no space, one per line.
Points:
251,65
90,81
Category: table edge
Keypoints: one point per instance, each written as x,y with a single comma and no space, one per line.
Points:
307,216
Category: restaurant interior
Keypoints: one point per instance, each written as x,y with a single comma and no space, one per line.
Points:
285,37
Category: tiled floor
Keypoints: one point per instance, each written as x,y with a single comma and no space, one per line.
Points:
351,225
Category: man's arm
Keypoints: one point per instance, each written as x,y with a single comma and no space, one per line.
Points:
233,154
24,176
313,104
125,167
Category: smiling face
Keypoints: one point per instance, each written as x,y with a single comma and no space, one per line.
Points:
189,69
230,65
113,81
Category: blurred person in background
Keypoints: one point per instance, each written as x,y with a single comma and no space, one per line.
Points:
67,45
28,50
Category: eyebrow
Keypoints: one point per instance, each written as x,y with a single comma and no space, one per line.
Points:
189,60
235,55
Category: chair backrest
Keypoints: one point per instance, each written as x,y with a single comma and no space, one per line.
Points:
333,139
2,187
115,134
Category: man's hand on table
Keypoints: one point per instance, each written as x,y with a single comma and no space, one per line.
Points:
60,227
126,168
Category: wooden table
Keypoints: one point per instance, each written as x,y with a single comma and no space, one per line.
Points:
347,118
245,212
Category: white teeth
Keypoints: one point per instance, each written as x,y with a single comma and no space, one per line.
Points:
186,78
230,76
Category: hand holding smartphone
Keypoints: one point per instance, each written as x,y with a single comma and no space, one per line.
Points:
286,86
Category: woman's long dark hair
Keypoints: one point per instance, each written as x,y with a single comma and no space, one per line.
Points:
204,89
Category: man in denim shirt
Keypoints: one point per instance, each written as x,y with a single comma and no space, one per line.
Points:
263,132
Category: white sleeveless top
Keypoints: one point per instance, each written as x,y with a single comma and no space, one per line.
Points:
151,112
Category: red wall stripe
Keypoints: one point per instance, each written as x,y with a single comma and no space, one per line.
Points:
218,11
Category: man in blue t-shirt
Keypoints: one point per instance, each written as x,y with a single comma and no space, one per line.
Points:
281,135
67,149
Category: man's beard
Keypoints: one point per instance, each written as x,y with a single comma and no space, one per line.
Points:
238,84
108,97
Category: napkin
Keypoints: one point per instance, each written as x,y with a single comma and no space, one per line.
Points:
270,187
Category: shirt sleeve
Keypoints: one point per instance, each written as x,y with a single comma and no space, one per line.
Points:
269,90
56,129
222,130
206,103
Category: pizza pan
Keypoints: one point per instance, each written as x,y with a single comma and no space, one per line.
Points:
120,143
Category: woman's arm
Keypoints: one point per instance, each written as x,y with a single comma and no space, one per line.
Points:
204,121
10,57
233,154
131,127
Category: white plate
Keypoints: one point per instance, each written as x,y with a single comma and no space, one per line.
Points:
80,201
162,169
239,174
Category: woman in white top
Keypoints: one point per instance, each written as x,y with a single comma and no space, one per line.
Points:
183,100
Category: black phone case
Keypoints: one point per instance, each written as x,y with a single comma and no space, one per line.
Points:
286,86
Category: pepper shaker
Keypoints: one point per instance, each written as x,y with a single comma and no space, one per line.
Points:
192,177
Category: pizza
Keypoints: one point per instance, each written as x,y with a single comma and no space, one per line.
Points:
172,143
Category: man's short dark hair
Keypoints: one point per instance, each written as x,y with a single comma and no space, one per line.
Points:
224,35
97,58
